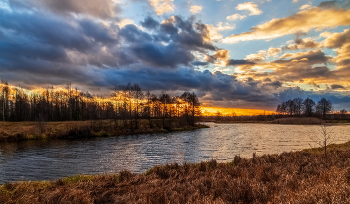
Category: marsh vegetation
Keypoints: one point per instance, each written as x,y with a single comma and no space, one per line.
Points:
298,177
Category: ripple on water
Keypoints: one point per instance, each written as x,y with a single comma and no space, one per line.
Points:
42,160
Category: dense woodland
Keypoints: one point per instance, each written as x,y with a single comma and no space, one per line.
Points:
128,103
307,107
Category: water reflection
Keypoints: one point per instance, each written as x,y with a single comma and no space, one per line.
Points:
51,159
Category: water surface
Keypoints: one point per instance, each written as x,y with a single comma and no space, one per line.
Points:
52,159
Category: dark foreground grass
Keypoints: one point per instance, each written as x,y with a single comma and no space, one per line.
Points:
16,131
297,177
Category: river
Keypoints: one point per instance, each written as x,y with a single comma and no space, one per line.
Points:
52,159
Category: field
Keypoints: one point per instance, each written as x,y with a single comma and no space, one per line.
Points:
15,131
296,177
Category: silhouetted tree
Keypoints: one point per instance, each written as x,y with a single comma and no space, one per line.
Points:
323,107
343,113
193,108
308,106
298,106
290,107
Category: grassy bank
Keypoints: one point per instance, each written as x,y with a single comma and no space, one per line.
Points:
16,131
289,121
296,177
298,121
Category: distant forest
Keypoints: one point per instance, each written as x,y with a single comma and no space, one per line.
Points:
126,103
292,108
306,107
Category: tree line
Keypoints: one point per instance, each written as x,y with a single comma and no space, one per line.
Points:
306,107
127,103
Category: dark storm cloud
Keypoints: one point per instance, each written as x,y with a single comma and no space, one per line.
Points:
96,31
43,28
267,80
199,63
163,56
96,8
233,62
275,84
337,86
327,4
310,57
216,87
334,4
44,47
150,23
166,46
50,45
296,73
302,44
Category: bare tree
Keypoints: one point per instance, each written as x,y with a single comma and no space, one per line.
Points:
194,106
218,116
323,137
343,113
290,106
298,106
308,106
323,107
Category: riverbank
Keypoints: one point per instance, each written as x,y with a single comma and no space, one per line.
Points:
290,121
295,177
17,131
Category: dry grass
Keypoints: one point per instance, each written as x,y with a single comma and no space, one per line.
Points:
298,177
15,131
298,121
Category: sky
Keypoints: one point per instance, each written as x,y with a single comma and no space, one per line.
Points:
232,53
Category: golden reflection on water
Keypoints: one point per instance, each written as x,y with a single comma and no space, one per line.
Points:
52,159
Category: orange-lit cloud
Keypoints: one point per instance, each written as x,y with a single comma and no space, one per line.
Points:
250,6
219,57
214,31
317,18
306,43
162,6
303,7
195,9
235,16
336,40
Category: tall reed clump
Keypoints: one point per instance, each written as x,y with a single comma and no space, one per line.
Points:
297,177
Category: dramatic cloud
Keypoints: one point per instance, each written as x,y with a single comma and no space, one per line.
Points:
220,55
306,43
214,31
337,86
235,16
336,40
162,6
316,18
232,62
195,9
249,6
89,44
80,49
96,8
150,23
305,6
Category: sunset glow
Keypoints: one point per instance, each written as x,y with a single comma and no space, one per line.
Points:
242,56
211,111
